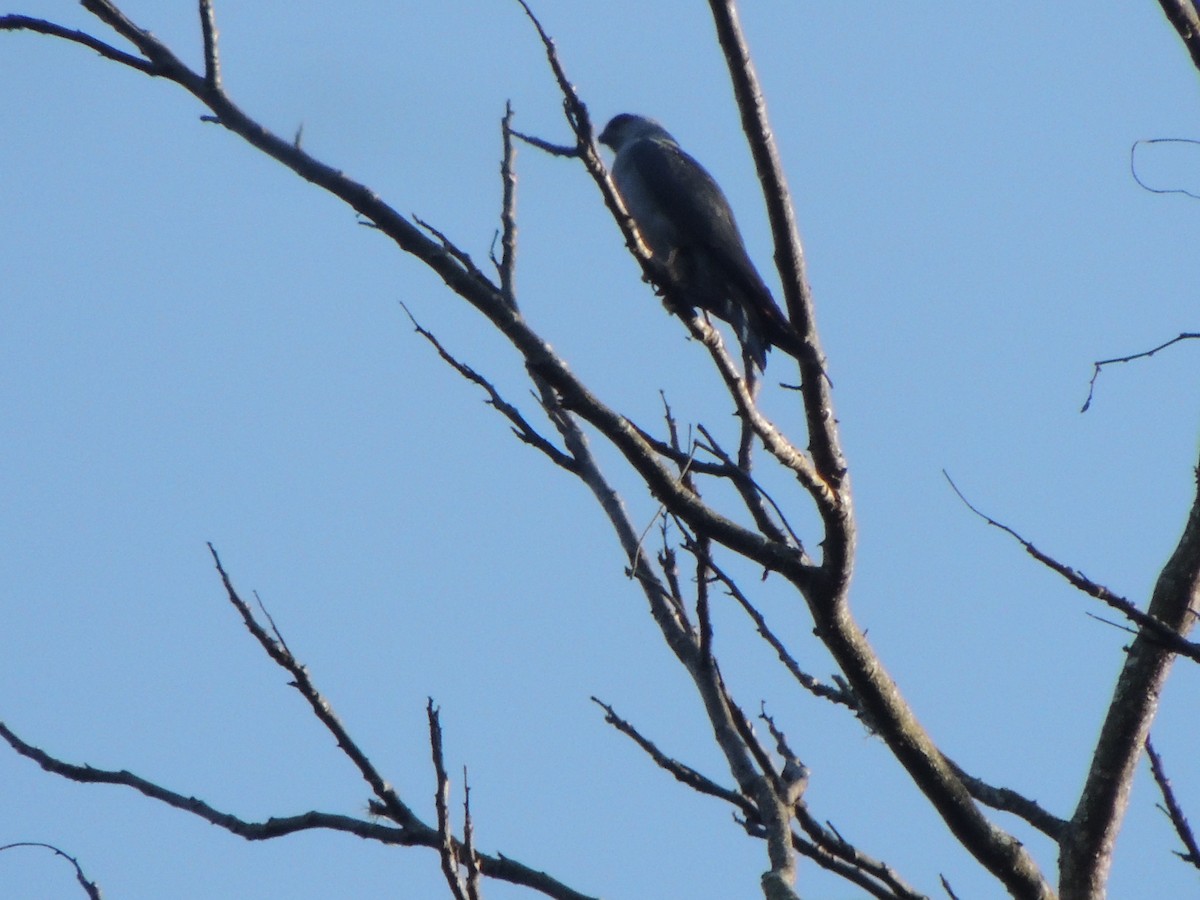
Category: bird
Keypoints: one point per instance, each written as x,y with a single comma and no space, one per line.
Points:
687,224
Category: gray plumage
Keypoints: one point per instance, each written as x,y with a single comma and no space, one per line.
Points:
685,221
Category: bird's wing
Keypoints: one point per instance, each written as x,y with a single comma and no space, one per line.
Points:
679,189
673,187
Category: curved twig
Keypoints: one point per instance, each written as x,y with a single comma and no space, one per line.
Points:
90,887
1099,364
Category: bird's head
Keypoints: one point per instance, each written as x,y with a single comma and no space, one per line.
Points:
626,128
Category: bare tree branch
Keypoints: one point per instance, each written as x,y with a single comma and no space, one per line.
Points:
1160,631
813,685
833,852
1009,801
1099,364
752,493
827,850
1172,808
474,874
794,774
547,146
1086,851
447,849
41,26
508,209
277,826
387,802
394,808
768,796
824,494
818,404
999,852
212,59
90,887
1183,15
680,772
416,834
521,427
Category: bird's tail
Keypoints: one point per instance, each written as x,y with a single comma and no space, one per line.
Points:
751,334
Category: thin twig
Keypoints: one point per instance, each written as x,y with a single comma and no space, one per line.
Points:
547,146
813,685
788,455
521,426
1172,808
1099,364
262,607
1137,178
701,550
41,26
447,850
90,887
468,843
794,774
577,114
1157,630
752,493
680,772
450,247
396,809
835,853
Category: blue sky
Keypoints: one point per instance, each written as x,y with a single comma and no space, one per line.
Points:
195,345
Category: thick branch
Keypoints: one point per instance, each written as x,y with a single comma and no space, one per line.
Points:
789,256
1183,15
1086,854
882,701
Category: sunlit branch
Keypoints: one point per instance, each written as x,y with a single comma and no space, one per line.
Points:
507,265
1184,16
447,847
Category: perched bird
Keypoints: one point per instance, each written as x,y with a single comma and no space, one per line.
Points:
685,221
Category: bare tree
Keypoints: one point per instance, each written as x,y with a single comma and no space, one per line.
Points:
718,517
